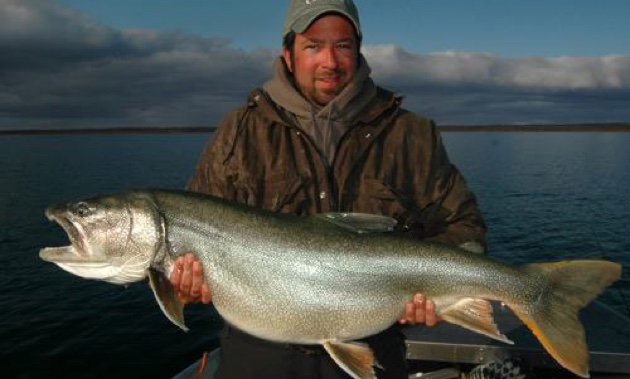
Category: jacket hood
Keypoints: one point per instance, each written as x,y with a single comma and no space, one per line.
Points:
325,125
345,106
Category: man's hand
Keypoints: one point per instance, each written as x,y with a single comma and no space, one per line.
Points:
187,280
419,311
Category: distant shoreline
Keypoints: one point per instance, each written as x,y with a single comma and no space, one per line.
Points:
114,130
609,127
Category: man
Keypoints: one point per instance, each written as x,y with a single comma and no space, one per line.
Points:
320,136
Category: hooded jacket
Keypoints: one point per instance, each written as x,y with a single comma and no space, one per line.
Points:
362,152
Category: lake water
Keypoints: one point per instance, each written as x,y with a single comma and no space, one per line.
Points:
545,196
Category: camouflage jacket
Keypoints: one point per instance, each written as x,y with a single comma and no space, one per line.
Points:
390,162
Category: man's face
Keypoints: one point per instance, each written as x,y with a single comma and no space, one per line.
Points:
324,58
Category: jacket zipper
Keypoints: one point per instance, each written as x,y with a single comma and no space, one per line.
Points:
329,194
333,190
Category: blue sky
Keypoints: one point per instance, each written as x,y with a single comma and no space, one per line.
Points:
86,63
507,27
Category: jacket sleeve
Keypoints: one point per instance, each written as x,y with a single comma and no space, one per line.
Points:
453,209
213,175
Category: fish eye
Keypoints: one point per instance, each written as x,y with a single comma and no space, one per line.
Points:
82,209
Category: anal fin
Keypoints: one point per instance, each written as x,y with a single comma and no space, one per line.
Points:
166,298
355,359
476,315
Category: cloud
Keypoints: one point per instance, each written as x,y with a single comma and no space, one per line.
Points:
472,88
395,65
60,67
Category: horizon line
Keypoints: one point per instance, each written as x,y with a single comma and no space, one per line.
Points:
546,127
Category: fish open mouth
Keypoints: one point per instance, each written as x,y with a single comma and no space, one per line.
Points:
76,251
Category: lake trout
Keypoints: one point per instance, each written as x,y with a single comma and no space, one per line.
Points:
326,279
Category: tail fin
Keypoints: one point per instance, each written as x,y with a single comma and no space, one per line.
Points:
571,285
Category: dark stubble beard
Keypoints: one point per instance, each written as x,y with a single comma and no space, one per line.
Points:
313,99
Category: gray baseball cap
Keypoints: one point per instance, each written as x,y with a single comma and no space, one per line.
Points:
302,13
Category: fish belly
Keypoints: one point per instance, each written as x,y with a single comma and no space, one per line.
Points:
300,304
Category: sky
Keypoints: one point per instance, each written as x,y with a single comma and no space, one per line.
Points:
90,63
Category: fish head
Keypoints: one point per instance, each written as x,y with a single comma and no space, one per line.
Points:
112,238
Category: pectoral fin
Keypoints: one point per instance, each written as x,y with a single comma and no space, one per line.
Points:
476,315
355,359
164,293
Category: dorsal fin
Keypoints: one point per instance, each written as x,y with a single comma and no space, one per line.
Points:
360,222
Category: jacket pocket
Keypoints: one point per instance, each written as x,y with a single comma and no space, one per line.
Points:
413,219
275,192
375,196
286,194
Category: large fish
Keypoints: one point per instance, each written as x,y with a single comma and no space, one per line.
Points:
327,279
